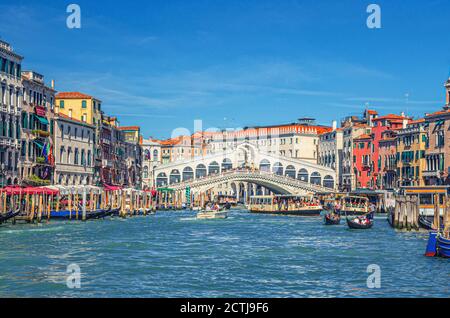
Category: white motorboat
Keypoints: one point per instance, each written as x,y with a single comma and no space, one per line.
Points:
212,214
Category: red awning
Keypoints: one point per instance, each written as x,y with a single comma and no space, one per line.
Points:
111,188
13,190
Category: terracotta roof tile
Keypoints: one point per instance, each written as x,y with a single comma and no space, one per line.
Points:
130,128
364,136
72,95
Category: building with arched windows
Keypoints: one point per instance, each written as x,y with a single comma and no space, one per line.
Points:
151,158
74,144
37,151
11,98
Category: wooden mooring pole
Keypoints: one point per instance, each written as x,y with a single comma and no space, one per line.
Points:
406,213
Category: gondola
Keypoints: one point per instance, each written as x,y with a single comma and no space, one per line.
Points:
332,219
96,214
427,224
115,212
353,225
390,218
10,215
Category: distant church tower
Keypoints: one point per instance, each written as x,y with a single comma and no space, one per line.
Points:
447,92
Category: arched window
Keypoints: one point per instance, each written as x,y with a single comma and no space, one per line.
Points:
290,172
83,157
264,165
303,175
188,174
328,182
147,154
213,168
175,176
227,164
278,168
316,178
145,173
155,155
161,180
200,171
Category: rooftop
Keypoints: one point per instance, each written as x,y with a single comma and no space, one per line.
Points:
130,128
73,95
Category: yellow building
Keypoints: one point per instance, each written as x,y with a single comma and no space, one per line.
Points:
80,107
411,145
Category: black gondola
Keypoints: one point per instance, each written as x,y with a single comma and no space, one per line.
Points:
7,216
332,219
96,214
353,225
115,212
425,223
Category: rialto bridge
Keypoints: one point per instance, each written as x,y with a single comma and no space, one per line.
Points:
246,171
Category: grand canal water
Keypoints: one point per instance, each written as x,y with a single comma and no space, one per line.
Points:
174,255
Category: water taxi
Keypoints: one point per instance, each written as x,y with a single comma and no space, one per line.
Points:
285,204
226,201
354,205
212,214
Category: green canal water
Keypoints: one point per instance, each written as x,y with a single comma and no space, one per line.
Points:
172,254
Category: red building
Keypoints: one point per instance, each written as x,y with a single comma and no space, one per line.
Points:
366,154
362,161
380,125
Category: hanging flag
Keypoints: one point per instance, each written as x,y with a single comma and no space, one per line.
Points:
48,152
50,156
44,151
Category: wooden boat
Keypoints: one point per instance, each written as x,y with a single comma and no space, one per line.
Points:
354,205
115,211
427,224
332,219
355,225
285,205
226,201
212,214
443,246
72,215
7,216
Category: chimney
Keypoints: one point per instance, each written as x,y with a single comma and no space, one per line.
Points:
334,124
53,84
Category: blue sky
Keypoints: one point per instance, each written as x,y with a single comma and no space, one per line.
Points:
163,64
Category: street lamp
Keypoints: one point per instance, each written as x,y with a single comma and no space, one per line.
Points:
83,183
3,174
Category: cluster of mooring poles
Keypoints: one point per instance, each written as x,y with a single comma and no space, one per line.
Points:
34,204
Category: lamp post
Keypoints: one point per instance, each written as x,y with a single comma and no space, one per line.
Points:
3,174
83,182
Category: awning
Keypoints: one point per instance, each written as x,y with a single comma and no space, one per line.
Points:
38,143
43,120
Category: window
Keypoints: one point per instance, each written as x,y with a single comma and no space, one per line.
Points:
69,155
76,156
84,104
440,139
89,158
61,104
83,157
61,154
